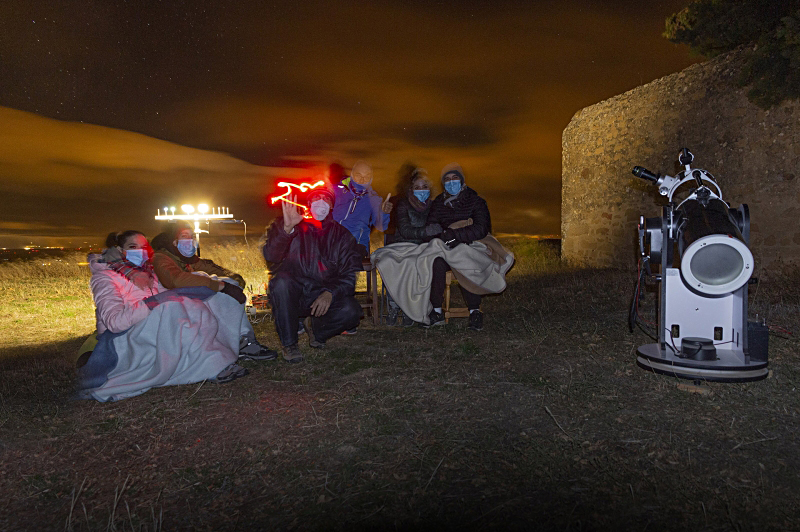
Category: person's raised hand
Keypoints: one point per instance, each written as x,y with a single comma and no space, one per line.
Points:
387,205
320,305
291,215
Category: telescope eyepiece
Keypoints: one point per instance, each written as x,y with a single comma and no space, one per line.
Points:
644,173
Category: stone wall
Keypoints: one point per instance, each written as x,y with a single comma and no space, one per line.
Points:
753,154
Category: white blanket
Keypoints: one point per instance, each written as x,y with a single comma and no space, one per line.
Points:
180,342
407,271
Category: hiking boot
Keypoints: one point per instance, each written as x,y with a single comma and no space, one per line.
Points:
391,318
435,319
476,320
252,350
408,322
312,341
231,372
292,354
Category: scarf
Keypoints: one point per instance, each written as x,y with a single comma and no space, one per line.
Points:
127,268
450,199
357,195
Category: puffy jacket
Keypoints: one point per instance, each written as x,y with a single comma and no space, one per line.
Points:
410,223
322,256
173,272
466,205
118,302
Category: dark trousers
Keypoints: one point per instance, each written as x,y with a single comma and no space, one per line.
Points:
440,268
291,300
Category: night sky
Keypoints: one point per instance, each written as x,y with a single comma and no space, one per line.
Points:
110,109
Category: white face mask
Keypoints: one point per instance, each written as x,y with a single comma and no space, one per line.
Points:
320,209
136,256
186,247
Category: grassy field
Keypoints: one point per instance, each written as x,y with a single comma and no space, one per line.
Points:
540,421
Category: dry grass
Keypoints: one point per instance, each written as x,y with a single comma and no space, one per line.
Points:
540,421
45,301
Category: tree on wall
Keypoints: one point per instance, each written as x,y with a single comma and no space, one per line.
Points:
770,31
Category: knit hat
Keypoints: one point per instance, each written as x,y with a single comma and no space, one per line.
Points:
323,192
453,170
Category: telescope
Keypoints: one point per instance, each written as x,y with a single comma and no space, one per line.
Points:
697,251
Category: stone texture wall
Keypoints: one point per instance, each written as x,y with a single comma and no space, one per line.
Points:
753,154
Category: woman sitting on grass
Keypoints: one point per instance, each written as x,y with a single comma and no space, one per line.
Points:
149,336
177,265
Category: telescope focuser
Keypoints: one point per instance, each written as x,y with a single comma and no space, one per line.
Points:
644,173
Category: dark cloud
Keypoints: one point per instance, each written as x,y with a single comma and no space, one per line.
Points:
448,135
220,90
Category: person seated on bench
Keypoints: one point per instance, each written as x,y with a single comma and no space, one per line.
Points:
411,223
453,209
313,265
177,265
149,336
458,239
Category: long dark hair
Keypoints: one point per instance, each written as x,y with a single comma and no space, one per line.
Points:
119,239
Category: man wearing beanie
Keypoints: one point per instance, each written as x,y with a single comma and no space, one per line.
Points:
465,217
313,264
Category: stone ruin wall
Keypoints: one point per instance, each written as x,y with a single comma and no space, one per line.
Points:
753,154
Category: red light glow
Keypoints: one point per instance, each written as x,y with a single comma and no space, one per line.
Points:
302,187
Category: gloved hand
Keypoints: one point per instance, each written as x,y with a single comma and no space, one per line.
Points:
235,292
239,280
449,238
433,229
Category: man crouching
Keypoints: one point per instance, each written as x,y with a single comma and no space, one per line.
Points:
312,265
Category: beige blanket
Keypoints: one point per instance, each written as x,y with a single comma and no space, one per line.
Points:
407,270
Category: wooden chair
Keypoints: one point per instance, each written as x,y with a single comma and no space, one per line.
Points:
370,295
455,312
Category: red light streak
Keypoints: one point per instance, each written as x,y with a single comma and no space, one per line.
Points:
303,187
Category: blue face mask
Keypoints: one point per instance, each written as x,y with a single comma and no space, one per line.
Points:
422,195
453,187
136,256
357,187
187,247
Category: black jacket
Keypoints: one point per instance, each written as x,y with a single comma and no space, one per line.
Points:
466,205
321,256
411,223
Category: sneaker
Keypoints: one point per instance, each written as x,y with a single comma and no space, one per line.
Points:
351,332
312,341
292,354
435,319
231,372
476,320
408,322
301,329
252,350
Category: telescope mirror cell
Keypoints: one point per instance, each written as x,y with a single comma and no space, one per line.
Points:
717,264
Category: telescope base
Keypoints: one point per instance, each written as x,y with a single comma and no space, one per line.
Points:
730,365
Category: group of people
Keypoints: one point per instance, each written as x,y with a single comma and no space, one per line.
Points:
166,316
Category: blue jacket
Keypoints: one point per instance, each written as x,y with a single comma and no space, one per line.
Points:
358,214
